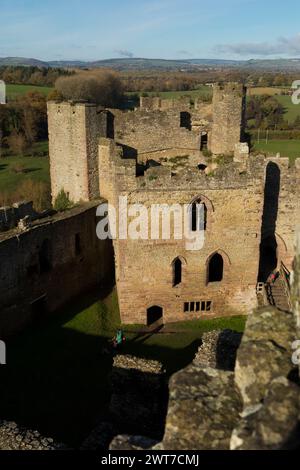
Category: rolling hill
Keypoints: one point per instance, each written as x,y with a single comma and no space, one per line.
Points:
160,64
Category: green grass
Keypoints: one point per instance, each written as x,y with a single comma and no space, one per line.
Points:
287,148
200,92
36,168
57,377
292,110
13,91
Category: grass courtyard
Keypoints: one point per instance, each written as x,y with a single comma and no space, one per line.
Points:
57,377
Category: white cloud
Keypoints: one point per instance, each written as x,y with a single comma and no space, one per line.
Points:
283,45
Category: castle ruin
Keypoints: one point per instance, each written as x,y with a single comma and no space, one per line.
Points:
164,152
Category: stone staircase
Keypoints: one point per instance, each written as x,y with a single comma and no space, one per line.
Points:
278,295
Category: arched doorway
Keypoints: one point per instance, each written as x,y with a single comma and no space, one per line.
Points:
215,268
154,315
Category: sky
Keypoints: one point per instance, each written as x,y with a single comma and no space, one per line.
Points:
168,29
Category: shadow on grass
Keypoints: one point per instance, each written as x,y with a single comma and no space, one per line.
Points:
58,378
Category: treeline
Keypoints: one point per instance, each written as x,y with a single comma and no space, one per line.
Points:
22,123
32,75
186,81
265,112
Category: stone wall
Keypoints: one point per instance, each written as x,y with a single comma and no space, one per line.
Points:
152,130
228,117
74,131
10,216
145,267
256,406
43,267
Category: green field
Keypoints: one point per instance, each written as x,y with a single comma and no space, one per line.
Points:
13,91
292,110
35,168
57,380
287,148
200,92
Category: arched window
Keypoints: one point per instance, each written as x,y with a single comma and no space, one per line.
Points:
215,268
198,216
177,272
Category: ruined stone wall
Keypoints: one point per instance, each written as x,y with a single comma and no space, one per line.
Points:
56,259
10,216
144,267
228,111
74,131
150,131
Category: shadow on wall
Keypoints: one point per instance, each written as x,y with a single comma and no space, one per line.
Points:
268,247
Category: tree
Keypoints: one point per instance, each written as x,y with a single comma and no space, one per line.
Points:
62,201
100,87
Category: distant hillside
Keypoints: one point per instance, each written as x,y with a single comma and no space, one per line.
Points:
161,64
22,61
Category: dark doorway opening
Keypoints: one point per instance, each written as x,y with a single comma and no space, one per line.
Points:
204,142
45,257
186,120
215,268
268,258
39,308
154,315
177,272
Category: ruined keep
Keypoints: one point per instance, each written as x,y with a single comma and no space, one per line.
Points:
164,152
157,154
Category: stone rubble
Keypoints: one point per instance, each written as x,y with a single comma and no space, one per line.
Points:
14,437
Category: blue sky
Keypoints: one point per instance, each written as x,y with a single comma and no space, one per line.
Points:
99,29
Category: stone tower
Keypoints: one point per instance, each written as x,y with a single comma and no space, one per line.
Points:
74,131
228,117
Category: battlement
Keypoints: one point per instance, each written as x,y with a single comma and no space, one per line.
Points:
122,174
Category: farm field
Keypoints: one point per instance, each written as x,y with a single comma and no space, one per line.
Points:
13,91
252,91
200,92
287,148
292,110
34,168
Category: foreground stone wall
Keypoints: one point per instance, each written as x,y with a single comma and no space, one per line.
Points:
56,259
